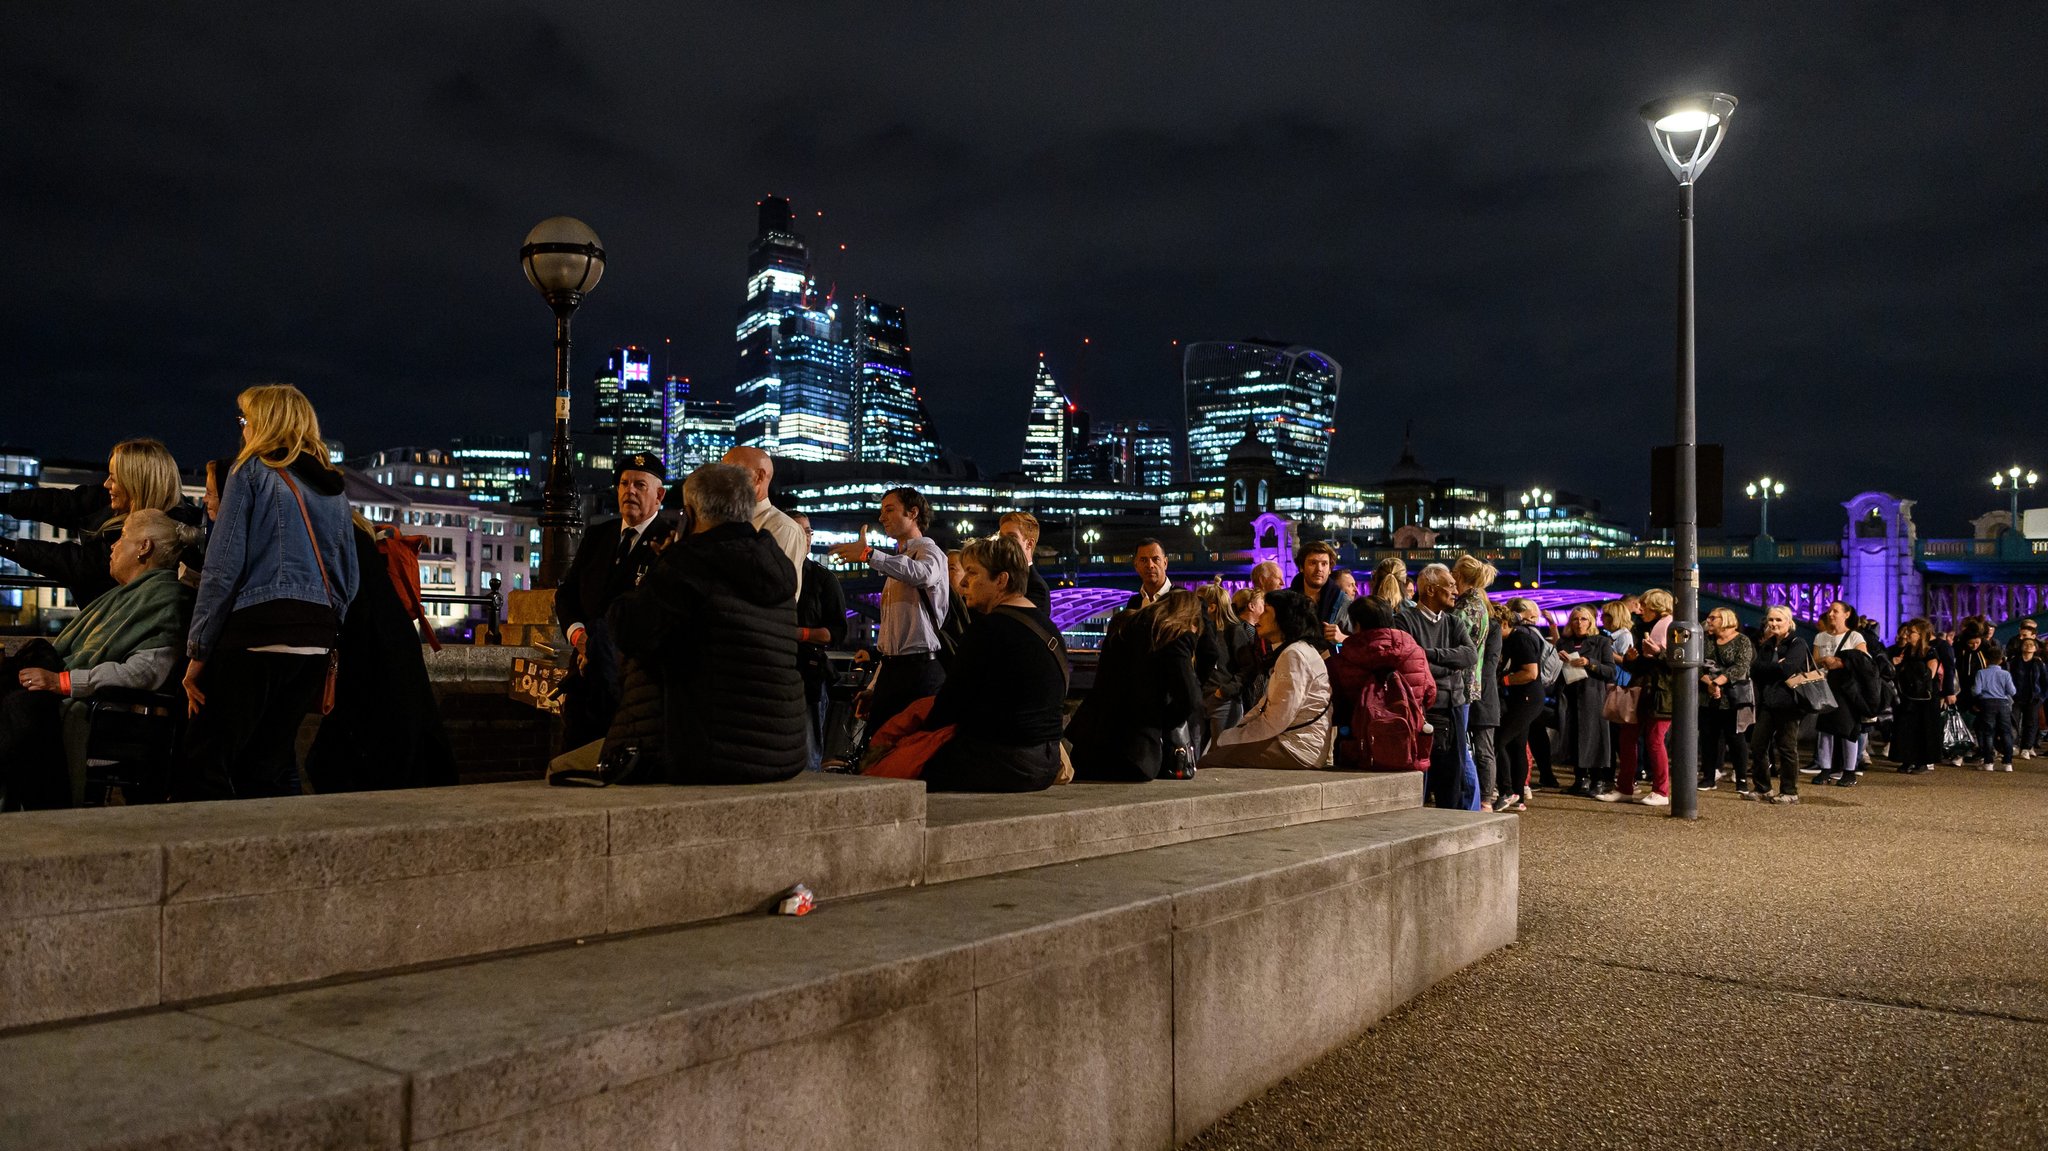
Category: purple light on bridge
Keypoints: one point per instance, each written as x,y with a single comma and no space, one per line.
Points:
1072,606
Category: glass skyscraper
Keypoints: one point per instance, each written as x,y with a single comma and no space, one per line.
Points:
1046,444
815,395
778,278
700,431
495,469
629,404
891,425
1287,394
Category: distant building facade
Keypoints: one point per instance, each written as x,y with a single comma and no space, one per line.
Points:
778,278
1046,436
1287,393
628,405
891,425
700,431
496,469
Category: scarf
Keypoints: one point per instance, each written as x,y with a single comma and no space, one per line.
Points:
150,611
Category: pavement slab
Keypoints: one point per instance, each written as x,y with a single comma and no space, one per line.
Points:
1863,970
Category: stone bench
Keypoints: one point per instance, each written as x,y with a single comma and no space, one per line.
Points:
115,909
1126,1000
112,909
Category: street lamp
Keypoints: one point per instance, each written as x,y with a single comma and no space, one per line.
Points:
1764,489
1537,498
563,261
1203,526
2015,481
965,528
1483,520
1089,537
1687,131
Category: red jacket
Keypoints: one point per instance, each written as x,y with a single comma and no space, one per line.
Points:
1368,653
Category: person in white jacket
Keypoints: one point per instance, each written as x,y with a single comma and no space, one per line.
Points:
1290,725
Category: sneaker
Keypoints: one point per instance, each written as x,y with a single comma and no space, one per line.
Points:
1515,803
1916,769
1782,799
1652,799
1827,777
1501,802
1987,765
1809,771
2006,766
1754,796
1528,793
1848,780
1610,797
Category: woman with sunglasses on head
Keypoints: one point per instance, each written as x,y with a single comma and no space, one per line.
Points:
280,573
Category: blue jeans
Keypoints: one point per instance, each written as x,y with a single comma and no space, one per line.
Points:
1994,720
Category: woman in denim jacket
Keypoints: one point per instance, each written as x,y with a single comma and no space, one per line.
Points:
270,603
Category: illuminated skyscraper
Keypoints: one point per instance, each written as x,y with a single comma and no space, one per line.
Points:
1045,431
629,404
495,469
778,273
1288,394
891,425
700,431
815,368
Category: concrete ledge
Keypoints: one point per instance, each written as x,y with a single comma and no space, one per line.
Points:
113,909
1120,1001
970,835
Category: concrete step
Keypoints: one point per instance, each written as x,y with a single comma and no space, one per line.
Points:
1121,1001
121,908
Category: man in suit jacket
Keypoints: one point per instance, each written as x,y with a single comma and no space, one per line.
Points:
1150,562
611,561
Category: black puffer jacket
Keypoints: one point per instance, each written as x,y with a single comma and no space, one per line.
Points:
711,677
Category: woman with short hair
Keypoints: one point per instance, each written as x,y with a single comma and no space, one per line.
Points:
1725,694
140,474
1290,725
280,573
1006,694
1774,739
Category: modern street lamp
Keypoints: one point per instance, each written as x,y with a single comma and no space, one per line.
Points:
1537,498
563,261
1764,489
1089,537
1687,131
965,528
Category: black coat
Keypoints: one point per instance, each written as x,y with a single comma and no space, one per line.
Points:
710,641
1119,732
1858,694
820,604
595,579
1581,724
1775,661
1486,709
385,730
80,564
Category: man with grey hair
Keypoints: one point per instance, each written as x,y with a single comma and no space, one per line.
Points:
760,469
712,693
1448,647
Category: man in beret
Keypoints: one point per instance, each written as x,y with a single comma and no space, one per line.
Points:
612,559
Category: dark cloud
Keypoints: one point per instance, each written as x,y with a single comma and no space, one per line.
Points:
1457,202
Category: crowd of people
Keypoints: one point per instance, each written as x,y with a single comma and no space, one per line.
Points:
698,630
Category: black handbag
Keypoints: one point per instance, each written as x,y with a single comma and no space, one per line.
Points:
1811,691
1179,751
1740,693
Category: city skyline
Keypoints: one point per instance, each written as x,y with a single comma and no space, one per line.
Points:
1496,267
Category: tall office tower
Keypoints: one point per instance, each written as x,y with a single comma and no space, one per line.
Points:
815,396
1140,454
1288,394
628,407
495,469
778,276
1080,444
700,431
1045,431
890,423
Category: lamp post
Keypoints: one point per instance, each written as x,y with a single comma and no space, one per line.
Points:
1203,526
1089,538
965,528
563,261
2015,481
1687,131
1764,489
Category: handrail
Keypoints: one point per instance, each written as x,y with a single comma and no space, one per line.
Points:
493,601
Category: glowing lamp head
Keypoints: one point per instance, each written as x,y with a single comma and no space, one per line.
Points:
563,260
1687,130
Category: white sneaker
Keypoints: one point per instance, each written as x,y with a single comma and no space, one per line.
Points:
1652,799
2006,766
1611,797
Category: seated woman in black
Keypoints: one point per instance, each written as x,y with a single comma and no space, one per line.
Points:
1005,692
1146,704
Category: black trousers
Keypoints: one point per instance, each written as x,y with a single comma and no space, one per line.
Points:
970,764
1513,742
1774,741
1444,784
243,744
1717,731
903,680
32,770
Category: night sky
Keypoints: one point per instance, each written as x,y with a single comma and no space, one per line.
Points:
1464,210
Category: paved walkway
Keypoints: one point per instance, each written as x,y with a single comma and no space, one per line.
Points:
1866,970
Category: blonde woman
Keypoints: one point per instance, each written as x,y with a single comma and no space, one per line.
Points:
1648,667
1390,582
280,573
140,474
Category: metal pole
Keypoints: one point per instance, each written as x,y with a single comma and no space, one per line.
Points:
1767,515
560,520
1685,564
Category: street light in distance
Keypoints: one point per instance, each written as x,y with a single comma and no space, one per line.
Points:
1765,489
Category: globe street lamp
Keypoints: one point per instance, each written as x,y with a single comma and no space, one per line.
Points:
1764,489
965,528
1089,537
2015,481
563,261
1537,498
1687,131
1203,526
